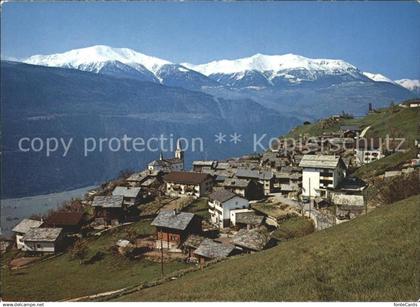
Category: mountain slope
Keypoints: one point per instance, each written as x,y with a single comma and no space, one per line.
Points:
365,259
47,102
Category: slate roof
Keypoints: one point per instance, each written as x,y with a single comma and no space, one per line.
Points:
320,161
42,234
173,220
352,184
64,219
249,218
213,250
255,239
112,201
350,128
222,195
193,241
247,173
26,224
131,192
210,163
233,182
186,177
348,200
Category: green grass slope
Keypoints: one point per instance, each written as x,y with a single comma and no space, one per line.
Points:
396,121
371,258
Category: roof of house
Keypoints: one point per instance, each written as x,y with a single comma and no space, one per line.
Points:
348,200
148,182
193,241
26,224
173,220
111,201
186,177
249,218
126,191
237,183
255,239
222,195
320,161
137,177
352,183
247,173
204,163
64,218
350,128
212,250
42,234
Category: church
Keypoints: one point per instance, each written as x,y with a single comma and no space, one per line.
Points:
169,165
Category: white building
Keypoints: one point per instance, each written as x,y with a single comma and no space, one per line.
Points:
22,228
321,172
169,165
187,184
221,203
43,240
368,150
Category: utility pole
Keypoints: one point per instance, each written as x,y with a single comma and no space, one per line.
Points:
310,200
161,254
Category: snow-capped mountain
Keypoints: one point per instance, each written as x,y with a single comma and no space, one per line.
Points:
275,69
378,77
411,85
124,63
93,58
284,83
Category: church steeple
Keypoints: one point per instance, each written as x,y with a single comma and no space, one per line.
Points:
179,153
161,156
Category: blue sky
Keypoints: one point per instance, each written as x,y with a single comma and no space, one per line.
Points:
376,37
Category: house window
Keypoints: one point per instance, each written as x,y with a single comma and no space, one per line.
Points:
38,246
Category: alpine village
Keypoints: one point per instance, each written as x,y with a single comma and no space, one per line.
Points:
309,215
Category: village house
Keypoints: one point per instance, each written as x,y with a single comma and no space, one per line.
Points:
70,222
246,218
132,196
43,240
221,202
188,184
191,244
249,189
22,228
138,179
252,240
349,131
321,172
173,228
109,209
209,249
368,150
199,165
264,177
168,165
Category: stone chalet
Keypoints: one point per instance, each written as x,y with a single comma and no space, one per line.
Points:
221,203
209,249
132,196
320,173
111,209
43,240
22,228
173,228
368,150
249,188
188,184
251,240
265,177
